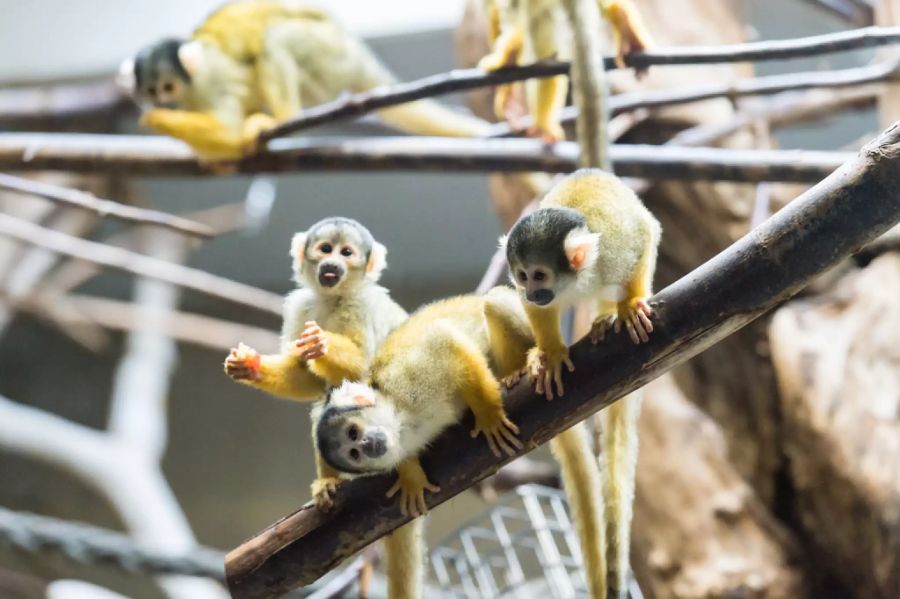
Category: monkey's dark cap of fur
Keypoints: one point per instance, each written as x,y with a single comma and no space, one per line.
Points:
328,430
150,58
539,237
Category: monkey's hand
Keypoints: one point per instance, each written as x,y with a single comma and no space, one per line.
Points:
511,380
323,490
243,363
498,429
412,484
312,343
253,127
628,30
635,313
546,368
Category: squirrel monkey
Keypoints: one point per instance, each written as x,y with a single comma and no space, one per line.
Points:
331,324
448,356
527,31
252,64
592,238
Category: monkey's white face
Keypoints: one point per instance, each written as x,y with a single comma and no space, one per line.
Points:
334,260
362,435
539,284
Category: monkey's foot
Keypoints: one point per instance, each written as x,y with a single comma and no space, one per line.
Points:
630,34
254,126
412,484
499,430
549,134
323,490
312,343
634,313
495,61
243,363
511,380
546,368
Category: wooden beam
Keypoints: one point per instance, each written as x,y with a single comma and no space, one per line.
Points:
770,264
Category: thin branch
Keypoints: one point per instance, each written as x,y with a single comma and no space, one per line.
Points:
113,257
763,269
758,86
356,105
857,12
88,201
48,106
141,155
196,329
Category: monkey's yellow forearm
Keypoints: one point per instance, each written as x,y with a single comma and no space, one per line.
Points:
287,377
202,131
545,325
344,361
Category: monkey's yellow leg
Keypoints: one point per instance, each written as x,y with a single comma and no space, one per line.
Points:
405,561
581,481
549,98
620,454
632,311
480,390
412,482
505,50
206,134
508,335
545,361
629,32
284,376
343,360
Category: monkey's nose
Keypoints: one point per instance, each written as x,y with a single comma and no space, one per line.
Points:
541,297
375,444
330,274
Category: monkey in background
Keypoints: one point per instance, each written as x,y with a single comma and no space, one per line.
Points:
590,239
527,31
253,64
331,325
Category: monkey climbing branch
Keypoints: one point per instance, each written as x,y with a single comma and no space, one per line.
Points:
851,207
143,155
355,105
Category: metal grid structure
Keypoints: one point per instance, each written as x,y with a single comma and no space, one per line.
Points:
524,547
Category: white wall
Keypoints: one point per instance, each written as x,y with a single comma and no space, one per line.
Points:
45,39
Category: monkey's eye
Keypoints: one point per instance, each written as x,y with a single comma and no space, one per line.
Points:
346,251
325,248
354,454
353,433
522,276
151,90
539,275
169,87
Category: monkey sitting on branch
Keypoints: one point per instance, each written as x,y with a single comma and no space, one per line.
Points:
253,64
591,239
331,325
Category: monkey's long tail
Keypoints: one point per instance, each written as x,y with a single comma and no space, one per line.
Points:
620,447
427,117
405,561
581,479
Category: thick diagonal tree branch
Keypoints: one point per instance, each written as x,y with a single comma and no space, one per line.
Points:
829,222
143,155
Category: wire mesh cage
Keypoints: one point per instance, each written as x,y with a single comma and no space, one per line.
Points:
524,547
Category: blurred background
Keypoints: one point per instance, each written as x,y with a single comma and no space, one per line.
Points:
237,460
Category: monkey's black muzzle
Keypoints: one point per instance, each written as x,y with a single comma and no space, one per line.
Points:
541,297
330,274
374,444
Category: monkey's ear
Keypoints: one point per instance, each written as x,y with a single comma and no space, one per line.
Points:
125,78
377,262
352,395
501,242
298,247
582,248
190,55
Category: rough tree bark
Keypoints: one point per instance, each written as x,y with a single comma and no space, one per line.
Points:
837,356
